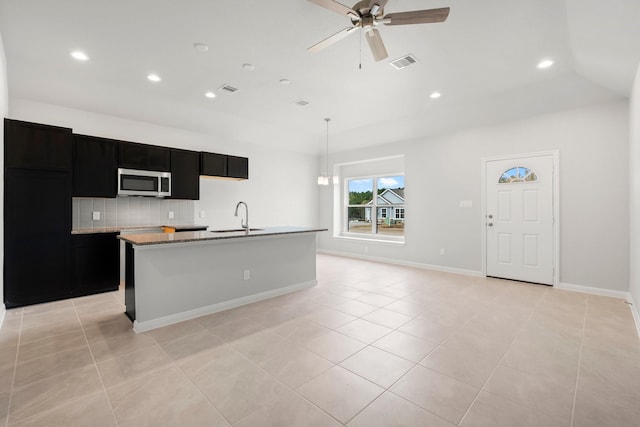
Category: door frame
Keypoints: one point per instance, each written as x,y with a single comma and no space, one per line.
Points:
555,155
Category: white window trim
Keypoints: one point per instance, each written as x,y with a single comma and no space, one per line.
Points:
369,237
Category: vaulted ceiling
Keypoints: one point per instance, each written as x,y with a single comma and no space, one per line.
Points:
482,60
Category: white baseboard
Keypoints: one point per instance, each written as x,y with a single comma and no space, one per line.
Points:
442,268
214,308
593,291
635,310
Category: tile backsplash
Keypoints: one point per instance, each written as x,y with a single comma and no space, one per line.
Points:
130,211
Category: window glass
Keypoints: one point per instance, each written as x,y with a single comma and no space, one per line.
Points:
381,215
518,174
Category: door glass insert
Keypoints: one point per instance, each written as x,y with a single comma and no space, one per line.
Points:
518,174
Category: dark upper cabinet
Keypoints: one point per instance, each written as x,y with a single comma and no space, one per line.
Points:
238,167
212,164
37,236
224,166
185,174
96,262
95,167
35,146
144,157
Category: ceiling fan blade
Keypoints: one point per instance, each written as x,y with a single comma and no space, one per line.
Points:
336,7
417,17
332,39
376,45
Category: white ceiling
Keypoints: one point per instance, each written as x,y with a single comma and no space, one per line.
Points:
482,59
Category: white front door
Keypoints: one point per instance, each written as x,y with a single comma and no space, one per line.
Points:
519,219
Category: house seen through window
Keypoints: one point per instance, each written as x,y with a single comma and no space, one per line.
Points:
380,215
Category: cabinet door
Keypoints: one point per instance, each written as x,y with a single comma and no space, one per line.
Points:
212,164
37,236
238,167
185,174
158,158
95,167
144,157
35,146
96,261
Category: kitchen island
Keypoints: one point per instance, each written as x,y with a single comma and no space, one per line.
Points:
173,277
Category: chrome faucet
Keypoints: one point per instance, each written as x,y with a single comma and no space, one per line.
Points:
244,224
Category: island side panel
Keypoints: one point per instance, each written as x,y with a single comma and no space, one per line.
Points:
171,279
129,283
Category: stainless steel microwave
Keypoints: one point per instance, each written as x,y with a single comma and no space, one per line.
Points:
132,182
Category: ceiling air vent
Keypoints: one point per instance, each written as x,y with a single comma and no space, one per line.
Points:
301,103
403,62
228,88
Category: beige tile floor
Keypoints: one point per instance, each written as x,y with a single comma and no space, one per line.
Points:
371,345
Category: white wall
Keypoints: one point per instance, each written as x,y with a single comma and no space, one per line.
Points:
4,109
442,171
281,189
634,195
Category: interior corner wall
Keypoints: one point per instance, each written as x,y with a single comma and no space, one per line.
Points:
4,110
442,171
634,196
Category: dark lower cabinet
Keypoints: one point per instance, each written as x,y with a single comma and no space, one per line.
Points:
96,262
37,236
185,174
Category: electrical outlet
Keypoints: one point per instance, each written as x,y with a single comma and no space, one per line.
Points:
366,249
247,274
171,215
96,216
442,251
202,215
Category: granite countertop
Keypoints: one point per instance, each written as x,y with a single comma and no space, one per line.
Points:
178,227
198,236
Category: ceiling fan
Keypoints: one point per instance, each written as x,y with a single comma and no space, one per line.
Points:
367,14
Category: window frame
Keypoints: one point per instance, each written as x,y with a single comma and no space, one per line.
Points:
373,235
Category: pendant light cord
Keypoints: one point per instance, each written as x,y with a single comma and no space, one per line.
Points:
327,120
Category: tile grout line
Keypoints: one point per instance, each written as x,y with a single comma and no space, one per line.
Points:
15,369
95,365
575,390
475,399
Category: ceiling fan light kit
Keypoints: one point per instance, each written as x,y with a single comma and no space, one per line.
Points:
367,14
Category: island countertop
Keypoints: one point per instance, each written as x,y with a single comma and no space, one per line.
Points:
199,236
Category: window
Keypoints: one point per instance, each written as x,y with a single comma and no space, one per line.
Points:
518,174
382,215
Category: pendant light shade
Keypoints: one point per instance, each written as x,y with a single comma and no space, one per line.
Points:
323,179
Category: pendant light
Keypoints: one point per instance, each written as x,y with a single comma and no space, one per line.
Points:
323,179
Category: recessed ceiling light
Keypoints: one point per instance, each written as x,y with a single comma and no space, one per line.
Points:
154,78
201,47
546,63
79,55
435,95
285,81
248,67
210,94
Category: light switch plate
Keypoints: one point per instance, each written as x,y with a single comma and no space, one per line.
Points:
466,203
202,214
171,215
96,215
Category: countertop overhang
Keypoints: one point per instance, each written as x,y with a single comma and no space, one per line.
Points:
201,236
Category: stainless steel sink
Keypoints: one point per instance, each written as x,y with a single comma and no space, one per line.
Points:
235,230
